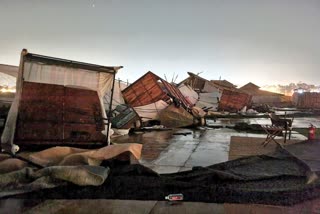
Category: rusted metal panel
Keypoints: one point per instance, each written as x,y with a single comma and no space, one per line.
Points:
33,90
58,115
38,131
232,100
81,106
82,133
41,102
144,91
149,89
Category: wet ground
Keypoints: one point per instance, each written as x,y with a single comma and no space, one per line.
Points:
298,122
167,152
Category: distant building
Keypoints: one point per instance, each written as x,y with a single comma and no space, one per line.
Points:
223,84
263,97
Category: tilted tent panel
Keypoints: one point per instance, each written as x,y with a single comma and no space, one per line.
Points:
149,89
144,91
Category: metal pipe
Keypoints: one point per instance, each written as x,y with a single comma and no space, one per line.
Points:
110,107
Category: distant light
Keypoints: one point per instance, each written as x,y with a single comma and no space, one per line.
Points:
5,90
300,91
315,90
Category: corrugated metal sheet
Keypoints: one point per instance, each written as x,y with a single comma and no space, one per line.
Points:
58,115
233,101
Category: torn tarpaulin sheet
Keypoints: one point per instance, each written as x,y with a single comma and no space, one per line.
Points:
277,179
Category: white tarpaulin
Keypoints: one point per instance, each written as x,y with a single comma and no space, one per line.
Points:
189,93
8,75
208,88
117,95
10,70
151,111
209,100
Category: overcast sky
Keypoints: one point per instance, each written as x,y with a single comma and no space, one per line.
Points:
266,42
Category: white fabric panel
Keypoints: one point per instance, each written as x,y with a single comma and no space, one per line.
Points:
10,70
189,93
208,87
151,111
7,80
209,100
59,75
117,95
104,83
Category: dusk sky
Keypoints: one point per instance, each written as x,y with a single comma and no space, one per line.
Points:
265,42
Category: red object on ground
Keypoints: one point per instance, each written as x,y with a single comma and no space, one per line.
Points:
174,197
312,132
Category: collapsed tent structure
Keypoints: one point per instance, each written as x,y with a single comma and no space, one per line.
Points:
150,95
58,102
208,95
217,94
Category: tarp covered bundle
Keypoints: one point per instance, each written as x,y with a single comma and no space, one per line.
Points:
61,98
61,165
277,179
173,117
